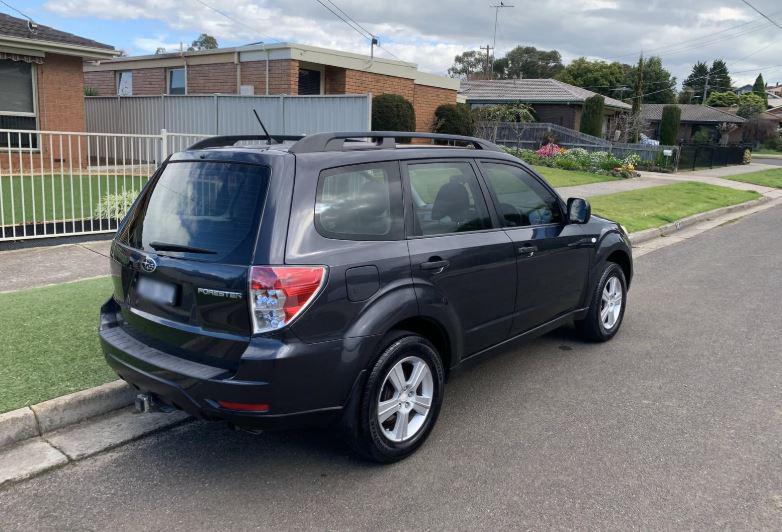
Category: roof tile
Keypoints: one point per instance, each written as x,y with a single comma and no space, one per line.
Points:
530,90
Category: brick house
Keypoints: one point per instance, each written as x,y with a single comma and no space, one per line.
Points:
551,100
695,118
41,82
283,68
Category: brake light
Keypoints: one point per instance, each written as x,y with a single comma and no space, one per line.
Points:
244,407
280,293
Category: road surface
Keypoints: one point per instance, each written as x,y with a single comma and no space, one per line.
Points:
676,423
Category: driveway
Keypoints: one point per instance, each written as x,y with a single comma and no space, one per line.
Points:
675,424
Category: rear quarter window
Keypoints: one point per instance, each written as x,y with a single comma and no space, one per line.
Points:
360,202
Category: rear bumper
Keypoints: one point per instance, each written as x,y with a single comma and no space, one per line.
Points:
297,390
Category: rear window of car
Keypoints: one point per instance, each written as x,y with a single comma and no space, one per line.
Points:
360,202
208,211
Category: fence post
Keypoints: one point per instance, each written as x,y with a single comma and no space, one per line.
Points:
163,144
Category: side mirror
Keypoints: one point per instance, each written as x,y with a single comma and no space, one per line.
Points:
578,211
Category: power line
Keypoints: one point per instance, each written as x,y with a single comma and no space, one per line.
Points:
369,33
358,28
340,17
759,12
25,15
229,17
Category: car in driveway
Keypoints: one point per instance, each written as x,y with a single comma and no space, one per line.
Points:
336,279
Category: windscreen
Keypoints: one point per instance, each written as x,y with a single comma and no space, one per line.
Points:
202,210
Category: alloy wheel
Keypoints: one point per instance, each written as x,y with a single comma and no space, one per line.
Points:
611,303
405,399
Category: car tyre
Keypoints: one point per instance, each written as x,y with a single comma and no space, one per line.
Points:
607,306
407,383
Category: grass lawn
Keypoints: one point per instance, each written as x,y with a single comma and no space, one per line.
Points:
766,151
656,206
557,177
766,178
72,194
50,342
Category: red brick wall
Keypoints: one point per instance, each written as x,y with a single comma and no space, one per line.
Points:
283,76
149,81
358,82
335,79
426,100
104,82
210,79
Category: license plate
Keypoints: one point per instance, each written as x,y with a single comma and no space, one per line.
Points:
156,291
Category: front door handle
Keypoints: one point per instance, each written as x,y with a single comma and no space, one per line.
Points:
439,264
527,251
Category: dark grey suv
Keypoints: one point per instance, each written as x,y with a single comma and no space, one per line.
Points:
336,279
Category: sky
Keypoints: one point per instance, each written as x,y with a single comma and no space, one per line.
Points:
431,32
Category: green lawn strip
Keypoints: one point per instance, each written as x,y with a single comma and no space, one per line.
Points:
57,197
558,178
656,206
766,151
766,178
50,342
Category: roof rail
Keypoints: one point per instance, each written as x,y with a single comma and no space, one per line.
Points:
230,140
321,142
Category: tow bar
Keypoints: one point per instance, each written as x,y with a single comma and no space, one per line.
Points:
147,402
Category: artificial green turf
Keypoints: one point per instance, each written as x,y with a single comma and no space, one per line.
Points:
50,342
766,178
57,197
557,177
656,206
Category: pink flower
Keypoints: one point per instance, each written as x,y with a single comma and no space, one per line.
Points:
549,150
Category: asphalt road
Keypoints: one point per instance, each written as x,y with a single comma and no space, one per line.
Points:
676,423
767,160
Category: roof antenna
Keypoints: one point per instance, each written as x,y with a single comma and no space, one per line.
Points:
268,137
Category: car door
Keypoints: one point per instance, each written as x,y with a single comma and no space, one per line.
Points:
460,259
552,257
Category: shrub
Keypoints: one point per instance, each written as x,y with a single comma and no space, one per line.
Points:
549,150
90,91
592,117
599,162
701,136
391,112
722,99
747,159
453,119
773,143
750,105
505,112
115,206
669,125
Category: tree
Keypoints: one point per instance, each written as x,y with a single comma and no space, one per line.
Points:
467,64
669,125
603,78
592,117
454,119
160,50
722,99
719,78
659,86
528,62
750,105
696,81
391,112
204,42
759,88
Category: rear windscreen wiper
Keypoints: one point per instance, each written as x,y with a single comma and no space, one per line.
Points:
166,246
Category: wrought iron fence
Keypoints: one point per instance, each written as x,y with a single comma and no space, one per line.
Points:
55,183
533,135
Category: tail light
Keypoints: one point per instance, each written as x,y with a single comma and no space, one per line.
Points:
280,293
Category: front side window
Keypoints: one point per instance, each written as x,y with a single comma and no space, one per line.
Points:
309,82
125,83
521,199
17,102
176,81
211,208
446,199
360,202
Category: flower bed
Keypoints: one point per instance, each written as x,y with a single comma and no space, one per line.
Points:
597,162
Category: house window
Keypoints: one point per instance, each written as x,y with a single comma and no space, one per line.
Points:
125,83
17,102
309,82
176,81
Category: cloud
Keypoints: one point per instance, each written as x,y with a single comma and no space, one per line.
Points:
430,33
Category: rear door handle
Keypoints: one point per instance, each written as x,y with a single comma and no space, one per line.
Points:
527,251
435,264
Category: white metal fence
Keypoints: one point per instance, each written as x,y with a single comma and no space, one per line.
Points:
56,183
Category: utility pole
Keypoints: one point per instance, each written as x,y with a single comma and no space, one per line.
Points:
705,89
487,69
497,8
